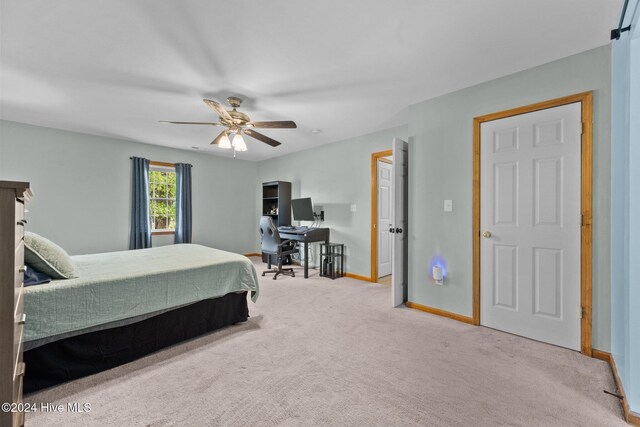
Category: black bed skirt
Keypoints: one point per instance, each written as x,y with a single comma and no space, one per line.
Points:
82,355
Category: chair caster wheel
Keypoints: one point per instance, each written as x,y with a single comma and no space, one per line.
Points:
262,274
293,275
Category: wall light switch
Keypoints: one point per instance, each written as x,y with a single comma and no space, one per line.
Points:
354,207
448,205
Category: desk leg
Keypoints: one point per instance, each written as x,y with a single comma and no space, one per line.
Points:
306,260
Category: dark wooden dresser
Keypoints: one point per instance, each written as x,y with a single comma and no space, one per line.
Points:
13,197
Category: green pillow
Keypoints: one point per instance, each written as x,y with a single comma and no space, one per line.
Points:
45,256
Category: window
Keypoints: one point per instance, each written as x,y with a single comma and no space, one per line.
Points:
162,197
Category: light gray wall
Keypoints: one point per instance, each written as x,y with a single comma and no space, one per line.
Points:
82,185
336,176
440,165
625,209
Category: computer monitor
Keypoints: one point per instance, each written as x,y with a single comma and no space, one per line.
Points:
302,209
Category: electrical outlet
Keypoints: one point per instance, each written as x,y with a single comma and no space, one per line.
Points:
448,205
354,208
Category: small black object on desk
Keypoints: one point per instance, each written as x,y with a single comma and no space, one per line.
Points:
332,260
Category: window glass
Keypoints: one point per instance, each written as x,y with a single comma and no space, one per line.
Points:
162,198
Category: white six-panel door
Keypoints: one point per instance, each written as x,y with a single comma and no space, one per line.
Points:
530,225
385,220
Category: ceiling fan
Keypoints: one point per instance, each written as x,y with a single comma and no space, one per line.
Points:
237,123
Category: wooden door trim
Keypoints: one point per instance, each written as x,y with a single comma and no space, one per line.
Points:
586,100
374,210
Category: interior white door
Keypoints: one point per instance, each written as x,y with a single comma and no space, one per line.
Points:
400,185
385,220
530,225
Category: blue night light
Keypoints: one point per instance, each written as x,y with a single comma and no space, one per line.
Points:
438,268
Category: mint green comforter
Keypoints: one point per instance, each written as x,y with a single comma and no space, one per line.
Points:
123,285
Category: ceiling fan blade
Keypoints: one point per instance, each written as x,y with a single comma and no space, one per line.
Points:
218,108
274,125
261,137
218,138
191,123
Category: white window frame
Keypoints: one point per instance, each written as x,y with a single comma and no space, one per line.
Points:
167,168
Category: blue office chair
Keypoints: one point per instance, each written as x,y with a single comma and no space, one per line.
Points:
272,245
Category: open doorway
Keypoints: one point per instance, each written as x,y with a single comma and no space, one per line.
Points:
381,216
394,225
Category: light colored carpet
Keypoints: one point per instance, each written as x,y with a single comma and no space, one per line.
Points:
322,352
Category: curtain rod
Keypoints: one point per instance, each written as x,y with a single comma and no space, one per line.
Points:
615,33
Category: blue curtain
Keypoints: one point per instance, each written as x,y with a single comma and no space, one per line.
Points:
183,203
140,237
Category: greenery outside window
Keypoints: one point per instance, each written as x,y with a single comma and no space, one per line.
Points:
162,197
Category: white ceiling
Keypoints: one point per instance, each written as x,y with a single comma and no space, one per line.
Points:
346,67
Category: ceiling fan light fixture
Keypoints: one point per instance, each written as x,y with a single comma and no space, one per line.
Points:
238,142
236,123
225,142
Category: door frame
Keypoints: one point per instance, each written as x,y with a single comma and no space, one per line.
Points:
374,210
586,98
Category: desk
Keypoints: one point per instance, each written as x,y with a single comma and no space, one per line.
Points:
315,235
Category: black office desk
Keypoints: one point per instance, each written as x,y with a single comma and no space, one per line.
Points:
315,235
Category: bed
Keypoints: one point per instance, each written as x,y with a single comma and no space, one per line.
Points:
124,305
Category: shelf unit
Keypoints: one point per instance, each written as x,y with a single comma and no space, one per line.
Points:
276,203
332,260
